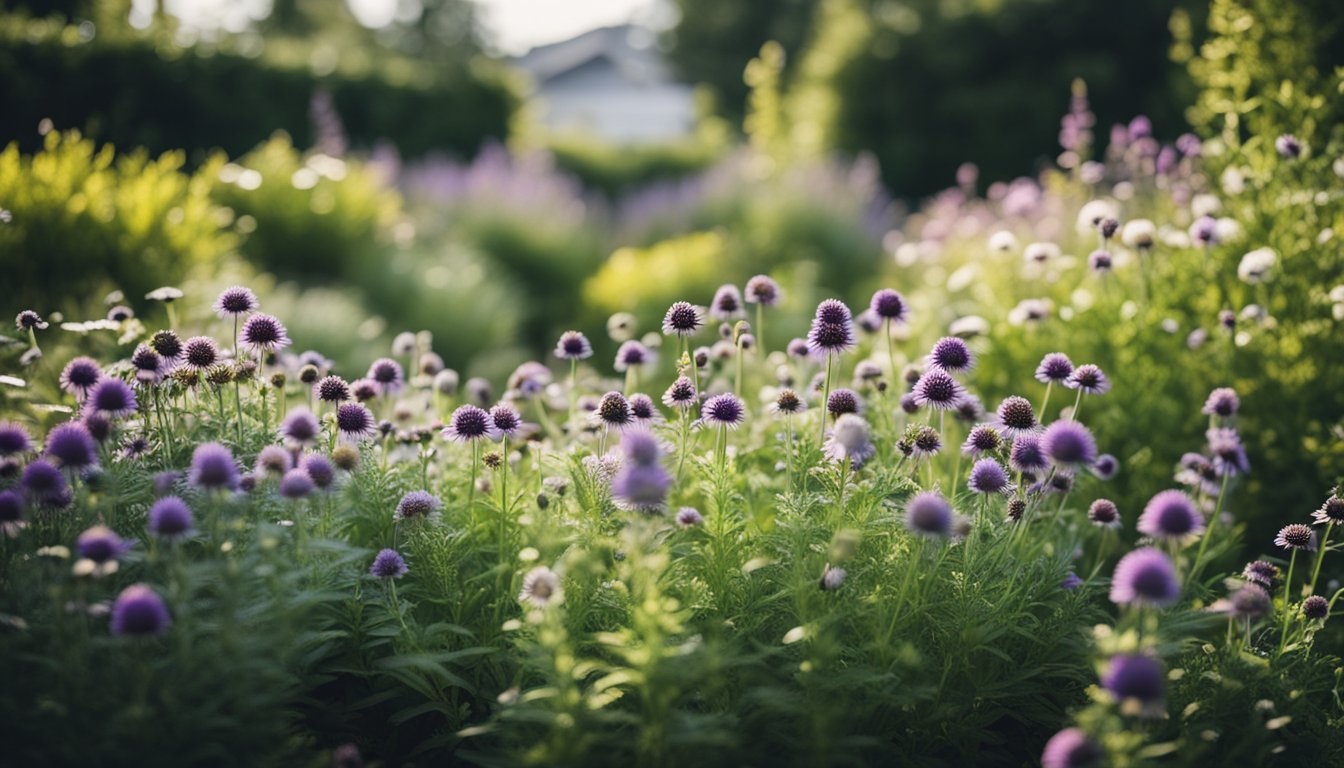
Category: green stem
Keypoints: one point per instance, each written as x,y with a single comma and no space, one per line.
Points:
825,398
1077,403
1208,532
1320,556
1287,585
1040,412
760,329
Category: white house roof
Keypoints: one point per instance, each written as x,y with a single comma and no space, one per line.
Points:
640,64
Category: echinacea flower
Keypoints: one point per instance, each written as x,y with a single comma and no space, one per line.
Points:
850,439
235,301
938,390
1103,513
262,334
112,398
418,505
680,394
388,564
354,421
1296,536
213,468
79,376
170,518
1138,678
727,303
762,290
139,611
469,423
726,410
199,353
541,588
929,514
988,476
1090,379
1145,576
1171,516
1016,417
1072,748
1054,368
952,355
573,346
72,446
1069,445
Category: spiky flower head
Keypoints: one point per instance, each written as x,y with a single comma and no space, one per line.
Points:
235,301
388,564
101,544
888,304
798,348
923,440
300,427
1138,678
149,365
613,411
112,398
1171,516
1330,513
199,353
1229,457
168,344
726,410
633,354
72,446
982,439
263,334
1054,367
988,476
1072,748
1261,572
79,376
1016,509
787,402
689,517
929,514
850,439
683,319
641,483
213,467
1104,513
320,469
1222,402
1106,466
1296,536
14,439
842,401
1069,445
506,420
573,346
1090,379
1027,455
1100,261
763,290
727,304
332,389
1248,602
1145,576
1315,608
170,519
541,588
296,484
681,394
832,331
354,422
1017,417
28,320
139,611
952,355
470,423
273,460
387,374
418,505
938,390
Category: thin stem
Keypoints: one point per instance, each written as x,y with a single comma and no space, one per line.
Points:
1320,556
825,398
1077,403
1045,401
1287,617
475,467
1208,532
573,391
891,353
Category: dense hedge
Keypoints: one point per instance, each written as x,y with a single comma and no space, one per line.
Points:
129,93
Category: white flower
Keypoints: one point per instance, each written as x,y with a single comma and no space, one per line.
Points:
541,587
1093,212
1205,205
1041,252
1138,233
1002,241
1256,266
1227,230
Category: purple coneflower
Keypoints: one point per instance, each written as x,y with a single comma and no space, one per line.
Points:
354,421
689,517
988,476
112,398
213,467
1138,678
1055,368
139,610
762,290
541,588
418,505
727,304
1171,516
388,564
726,410
468,423
263,334
889,305
1016,417
199,353
573,346
170,519
79,376
929,514
681,394
235,301
387,374
1069,445
982,439
952,355
72,446
1145,577
1072,748
938,390
1103,513
1089,379
1296,536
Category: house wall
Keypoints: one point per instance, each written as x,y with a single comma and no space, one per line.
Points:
597,98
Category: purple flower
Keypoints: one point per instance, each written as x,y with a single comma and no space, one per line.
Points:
149,365
613,411
726,410
988,476
982,439
1171,516
1296,536
1136,677
273,460
170,518
469,423
11,512
688,517
1105,467
72,446
263,333
682,319
641,483
850,439
1100,261
1026,454
832,331
952,355
937,389
1071,748
168,344
727,304
1055,367
1261,572
235,301
1104,513
1145,577
296,484
762,290
387,374
44,484
681,394
842,401
529,379
1229,457
332,389
929,514
1069,444
642,408
1089,379
632,354
787,402
798,348
101,544
199,353
388,564
300,427
138,610
1288,146
14,439
506,420
1017,417
320,469
79,376
1222,402
355,422
1315,608
1330,513
213,467
1248,603
889,305
418,505
28,320
112,398
573,346
1071,581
